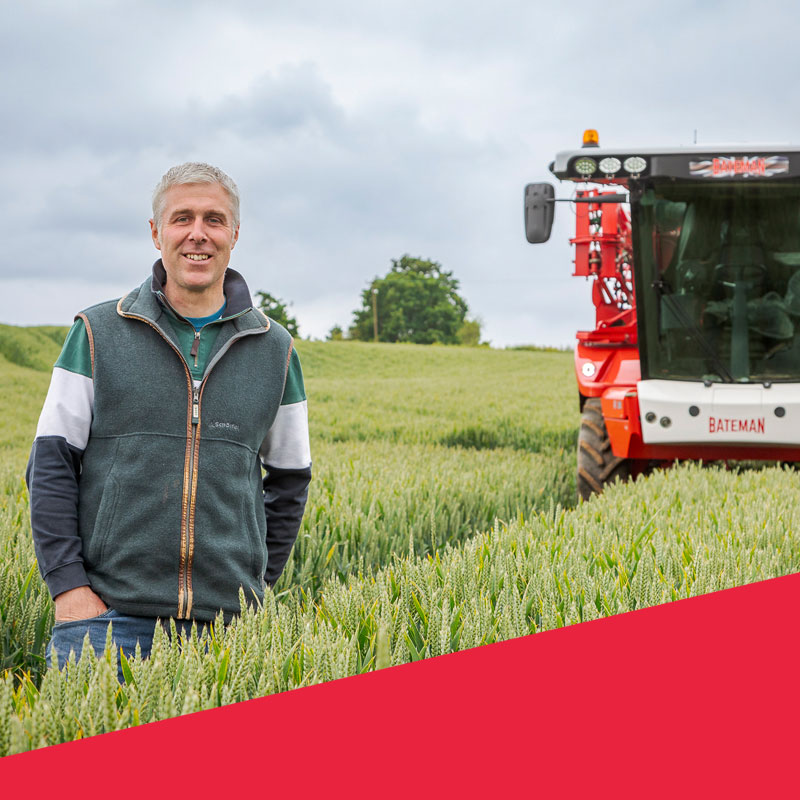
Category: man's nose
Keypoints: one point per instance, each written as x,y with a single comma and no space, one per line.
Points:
198,231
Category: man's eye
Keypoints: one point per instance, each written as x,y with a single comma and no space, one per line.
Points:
215,220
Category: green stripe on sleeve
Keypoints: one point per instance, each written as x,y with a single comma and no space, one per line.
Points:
294,391
75,354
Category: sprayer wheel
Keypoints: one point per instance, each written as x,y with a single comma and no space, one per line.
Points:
597,464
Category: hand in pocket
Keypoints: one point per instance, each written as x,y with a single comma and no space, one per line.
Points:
77,604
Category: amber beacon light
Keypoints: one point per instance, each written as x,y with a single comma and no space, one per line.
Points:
590,138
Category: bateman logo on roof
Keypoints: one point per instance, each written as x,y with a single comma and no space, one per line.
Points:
739,167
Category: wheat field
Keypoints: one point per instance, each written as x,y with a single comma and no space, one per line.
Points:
442,516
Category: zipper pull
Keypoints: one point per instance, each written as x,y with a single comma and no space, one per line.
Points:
195,405
195,346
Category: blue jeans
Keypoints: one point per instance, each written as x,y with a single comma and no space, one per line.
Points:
126,631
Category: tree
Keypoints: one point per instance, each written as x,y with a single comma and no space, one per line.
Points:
335,334
276,309
417,301
470,333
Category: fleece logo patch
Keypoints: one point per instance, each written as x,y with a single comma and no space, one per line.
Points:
221,427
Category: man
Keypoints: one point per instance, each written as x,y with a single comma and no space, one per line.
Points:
145,476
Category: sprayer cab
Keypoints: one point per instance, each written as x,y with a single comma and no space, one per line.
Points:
694,256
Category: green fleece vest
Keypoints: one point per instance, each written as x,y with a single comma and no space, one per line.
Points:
171,511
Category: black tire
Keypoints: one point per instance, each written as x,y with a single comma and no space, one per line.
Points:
597,464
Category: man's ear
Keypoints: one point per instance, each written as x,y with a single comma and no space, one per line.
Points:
154,234
235,237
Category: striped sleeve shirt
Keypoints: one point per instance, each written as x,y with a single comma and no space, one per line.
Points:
63,433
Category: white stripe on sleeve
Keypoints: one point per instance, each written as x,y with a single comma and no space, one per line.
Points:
68,408
286,445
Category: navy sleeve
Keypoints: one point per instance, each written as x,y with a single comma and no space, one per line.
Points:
55,464
285,495
52,478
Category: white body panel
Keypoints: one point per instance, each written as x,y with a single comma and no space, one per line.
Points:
727,413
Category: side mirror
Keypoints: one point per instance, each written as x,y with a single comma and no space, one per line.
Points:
540,205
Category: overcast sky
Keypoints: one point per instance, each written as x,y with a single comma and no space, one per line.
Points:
357,131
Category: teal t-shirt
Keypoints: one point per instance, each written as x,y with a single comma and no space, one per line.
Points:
198,322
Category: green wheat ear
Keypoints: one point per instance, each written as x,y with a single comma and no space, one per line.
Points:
383,654
110,652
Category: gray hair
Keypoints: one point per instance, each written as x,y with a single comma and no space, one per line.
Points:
194,172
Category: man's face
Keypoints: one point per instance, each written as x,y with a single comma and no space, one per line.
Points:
196,236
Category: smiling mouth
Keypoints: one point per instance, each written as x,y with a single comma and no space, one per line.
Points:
197,256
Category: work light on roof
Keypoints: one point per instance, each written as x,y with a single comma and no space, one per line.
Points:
585,166
591,138
635,165
610,165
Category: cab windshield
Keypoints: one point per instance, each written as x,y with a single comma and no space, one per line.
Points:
718,279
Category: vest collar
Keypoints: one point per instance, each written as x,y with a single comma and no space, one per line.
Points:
144,301
237,295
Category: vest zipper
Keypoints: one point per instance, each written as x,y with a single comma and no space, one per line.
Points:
195,405
195,346
188,540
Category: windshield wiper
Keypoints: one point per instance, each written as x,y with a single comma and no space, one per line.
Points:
692,329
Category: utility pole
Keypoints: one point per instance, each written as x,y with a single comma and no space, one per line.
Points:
375,312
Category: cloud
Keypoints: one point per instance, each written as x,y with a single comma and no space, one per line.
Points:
357,132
